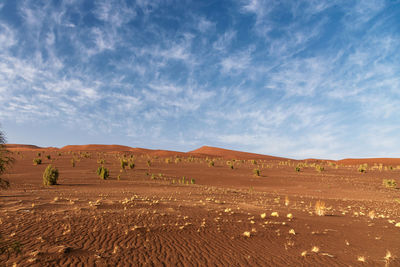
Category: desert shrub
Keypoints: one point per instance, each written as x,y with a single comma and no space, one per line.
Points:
192,181
73,162
230,164
320,208
48,157
297,169
254,162
256,172
148,163
389,183
5,161
101,161
131,165
124,163
37,161
103,172
177,160
167,160
211,163
39,154
50,175
363,168
319,168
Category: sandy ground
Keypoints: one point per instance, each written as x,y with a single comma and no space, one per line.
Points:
225,217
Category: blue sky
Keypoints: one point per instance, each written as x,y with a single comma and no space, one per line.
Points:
288,78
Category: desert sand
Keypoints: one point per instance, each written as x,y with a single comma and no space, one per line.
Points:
220,215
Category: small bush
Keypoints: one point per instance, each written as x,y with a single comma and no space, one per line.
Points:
319,168
192,181
320,208
103,172
230,164
254,162
48,157
37,161
363,168
149,163
211,163
297,169
131,165
256,172
389,183
124,163
50,175
73,162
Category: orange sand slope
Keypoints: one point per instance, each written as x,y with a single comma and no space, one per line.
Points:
204,151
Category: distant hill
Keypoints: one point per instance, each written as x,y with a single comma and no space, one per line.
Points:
95,147
21,147
232,154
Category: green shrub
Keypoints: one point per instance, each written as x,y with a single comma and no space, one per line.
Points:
37,161
319,168
124,163
211,163
50,175
254,162
256,172
297,169
103,172
48,157
131,165
5,161
230,164
192,181
363,168
389,183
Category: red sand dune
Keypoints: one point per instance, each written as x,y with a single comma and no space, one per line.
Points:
21,147
232,154
96,147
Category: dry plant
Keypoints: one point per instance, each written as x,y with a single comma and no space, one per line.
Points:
320,208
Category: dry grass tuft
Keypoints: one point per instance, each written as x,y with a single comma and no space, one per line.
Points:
320,208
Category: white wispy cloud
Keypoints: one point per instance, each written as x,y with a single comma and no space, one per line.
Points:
285,78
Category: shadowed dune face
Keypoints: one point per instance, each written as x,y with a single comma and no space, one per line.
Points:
177,209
